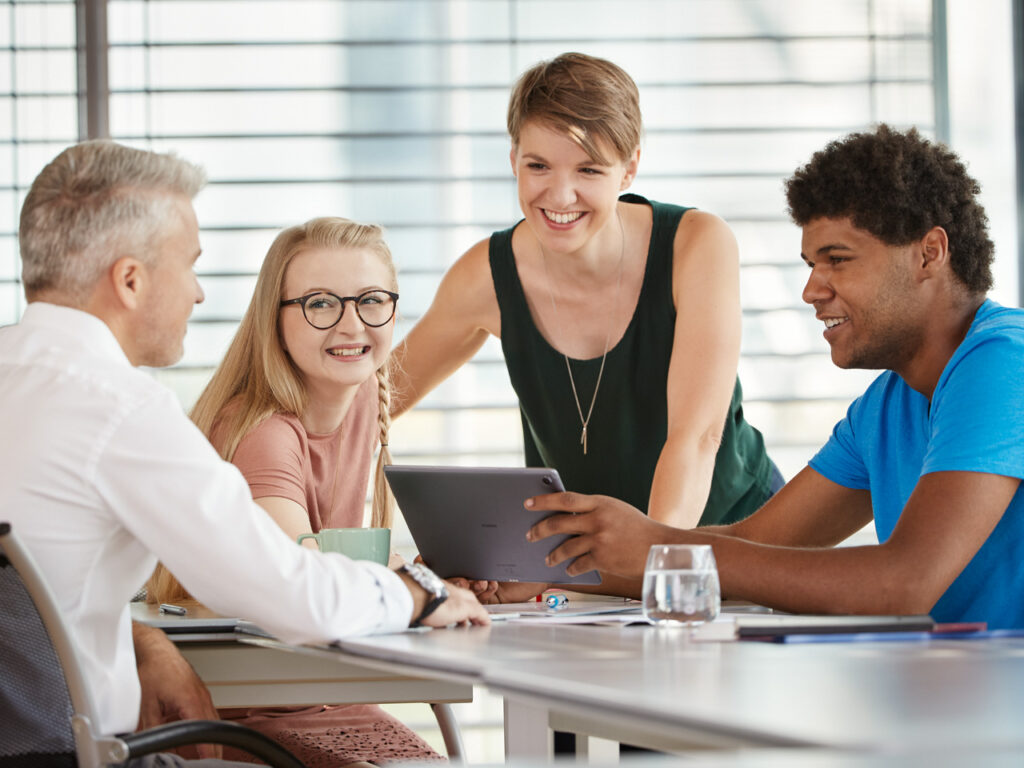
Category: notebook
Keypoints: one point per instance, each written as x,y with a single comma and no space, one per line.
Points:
778,624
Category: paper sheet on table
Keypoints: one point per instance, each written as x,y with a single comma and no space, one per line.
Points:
534,611
617,614
722,628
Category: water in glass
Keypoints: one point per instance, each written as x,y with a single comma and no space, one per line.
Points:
681,596
681,585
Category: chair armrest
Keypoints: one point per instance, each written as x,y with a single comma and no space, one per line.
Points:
164,737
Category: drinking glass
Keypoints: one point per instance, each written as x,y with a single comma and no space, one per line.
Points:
681,585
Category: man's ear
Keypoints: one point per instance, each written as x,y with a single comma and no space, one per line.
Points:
512,160
934,250
128,279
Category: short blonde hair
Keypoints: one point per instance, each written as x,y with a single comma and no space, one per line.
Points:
587,98
92,204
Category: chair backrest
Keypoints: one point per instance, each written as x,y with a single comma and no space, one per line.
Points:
38,693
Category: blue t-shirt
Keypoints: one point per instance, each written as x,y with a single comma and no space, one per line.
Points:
890,438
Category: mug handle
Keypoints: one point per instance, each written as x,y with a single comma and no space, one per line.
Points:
315,536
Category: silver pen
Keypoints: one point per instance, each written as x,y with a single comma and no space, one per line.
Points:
177,610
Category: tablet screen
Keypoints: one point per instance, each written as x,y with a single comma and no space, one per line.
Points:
470,521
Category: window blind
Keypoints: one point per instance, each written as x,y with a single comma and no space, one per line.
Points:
38,116
392,111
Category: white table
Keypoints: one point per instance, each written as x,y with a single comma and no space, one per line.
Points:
655,688
651,687
239,672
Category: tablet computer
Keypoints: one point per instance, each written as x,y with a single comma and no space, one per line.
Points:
471,522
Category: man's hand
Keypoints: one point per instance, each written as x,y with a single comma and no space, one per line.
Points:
171,689
461,608
484,590
608,534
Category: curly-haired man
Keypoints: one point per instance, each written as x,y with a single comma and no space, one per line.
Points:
933,451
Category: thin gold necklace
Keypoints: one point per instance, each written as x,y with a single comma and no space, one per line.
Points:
585,421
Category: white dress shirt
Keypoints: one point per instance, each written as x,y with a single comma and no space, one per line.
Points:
101,474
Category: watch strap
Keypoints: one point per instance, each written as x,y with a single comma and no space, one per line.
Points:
435,587
432,605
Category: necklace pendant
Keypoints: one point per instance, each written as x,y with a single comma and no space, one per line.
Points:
607,338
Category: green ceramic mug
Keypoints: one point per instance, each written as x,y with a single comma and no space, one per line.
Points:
357,543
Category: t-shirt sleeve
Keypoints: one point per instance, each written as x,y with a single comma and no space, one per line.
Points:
978,410
840,459
270,458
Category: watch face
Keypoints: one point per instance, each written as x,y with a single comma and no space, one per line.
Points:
435,582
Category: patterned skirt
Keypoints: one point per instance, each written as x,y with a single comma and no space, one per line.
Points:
328,736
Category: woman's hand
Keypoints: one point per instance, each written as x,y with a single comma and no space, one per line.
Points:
484,590
518,591
397,561
491,592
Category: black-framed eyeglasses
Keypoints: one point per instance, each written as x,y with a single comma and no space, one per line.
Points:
324,310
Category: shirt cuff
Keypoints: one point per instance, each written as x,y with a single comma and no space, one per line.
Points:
396,597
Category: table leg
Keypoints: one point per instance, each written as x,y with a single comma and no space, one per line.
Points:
527,734
593,750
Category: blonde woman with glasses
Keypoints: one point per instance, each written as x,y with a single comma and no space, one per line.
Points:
299,404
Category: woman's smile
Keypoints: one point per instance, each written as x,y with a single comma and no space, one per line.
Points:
349,352
560,218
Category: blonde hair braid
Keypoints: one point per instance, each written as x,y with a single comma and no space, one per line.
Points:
383,500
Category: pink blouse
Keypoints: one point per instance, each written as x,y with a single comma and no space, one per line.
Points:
327,475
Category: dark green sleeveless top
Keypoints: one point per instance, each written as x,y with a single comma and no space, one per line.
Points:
628,428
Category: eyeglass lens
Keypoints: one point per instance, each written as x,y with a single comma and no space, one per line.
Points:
323,310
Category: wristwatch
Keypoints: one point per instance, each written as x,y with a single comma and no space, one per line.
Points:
437,591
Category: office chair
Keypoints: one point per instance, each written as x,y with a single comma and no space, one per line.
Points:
47,715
